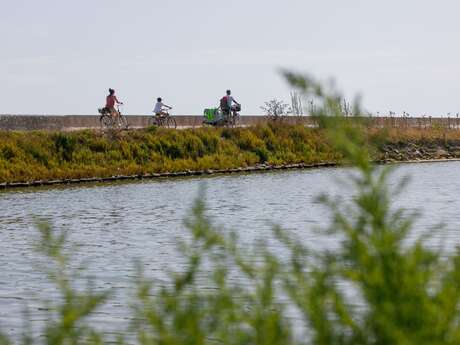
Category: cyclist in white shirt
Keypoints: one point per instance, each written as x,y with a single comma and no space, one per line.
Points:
159,109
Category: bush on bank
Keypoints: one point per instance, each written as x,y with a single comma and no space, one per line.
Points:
39,155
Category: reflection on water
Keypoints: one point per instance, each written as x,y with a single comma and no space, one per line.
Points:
115,224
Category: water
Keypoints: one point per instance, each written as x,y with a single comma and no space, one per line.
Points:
116,224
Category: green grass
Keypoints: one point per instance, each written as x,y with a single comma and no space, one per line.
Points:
39,155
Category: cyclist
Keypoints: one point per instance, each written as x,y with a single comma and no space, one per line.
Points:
159,109
229,104
111,100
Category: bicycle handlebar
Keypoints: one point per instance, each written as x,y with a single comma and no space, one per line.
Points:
164,109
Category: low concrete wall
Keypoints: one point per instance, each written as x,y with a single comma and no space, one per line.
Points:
75,122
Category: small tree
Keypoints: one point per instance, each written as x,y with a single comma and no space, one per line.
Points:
276,108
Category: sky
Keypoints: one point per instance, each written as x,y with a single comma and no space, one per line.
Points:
60,56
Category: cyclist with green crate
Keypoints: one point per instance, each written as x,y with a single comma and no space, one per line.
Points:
229,104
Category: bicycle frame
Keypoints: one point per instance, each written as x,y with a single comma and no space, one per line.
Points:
108,120
165,120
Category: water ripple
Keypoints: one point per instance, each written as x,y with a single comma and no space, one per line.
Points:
114,224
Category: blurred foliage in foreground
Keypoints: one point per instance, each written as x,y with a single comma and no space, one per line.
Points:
375,288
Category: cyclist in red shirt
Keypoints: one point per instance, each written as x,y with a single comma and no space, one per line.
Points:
111,100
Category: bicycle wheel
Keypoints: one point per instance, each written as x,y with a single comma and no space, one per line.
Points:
106,121
171,122
235,120
123,122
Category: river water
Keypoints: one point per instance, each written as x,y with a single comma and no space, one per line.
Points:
116,224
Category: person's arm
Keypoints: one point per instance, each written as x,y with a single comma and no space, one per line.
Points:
234,100
167,106
116,100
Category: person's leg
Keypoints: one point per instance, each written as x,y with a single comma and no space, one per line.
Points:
113,112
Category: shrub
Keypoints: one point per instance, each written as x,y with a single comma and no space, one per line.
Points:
65,145
40,155
9,152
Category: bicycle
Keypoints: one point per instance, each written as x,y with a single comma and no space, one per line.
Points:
113,122
233,118
164,120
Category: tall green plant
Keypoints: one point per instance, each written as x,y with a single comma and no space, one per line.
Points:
405,293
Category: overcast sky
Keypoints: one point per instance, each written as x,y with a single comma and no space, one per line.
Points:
59,56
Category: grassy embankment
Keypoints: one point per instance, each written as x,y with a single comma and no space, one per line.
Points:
39,155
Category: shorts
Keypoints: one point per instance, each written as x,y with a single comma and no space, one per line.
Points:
112,110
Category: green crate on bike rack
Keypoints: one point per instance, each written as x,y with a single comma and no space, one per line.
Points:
210,114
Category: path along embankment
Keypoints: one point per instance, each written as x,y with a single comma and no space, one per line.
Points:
52,157
79,122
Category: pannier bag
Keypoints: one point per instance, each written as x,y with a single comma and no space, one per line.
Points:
211,115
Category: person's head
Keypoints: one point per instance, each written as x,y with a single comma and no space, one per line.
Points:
229,92
111,91
159,99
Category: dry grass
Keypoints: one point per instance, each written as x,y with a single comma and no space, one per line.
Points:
414,134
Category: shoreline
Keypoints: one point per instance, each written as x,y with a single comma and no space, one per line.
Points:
207,172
